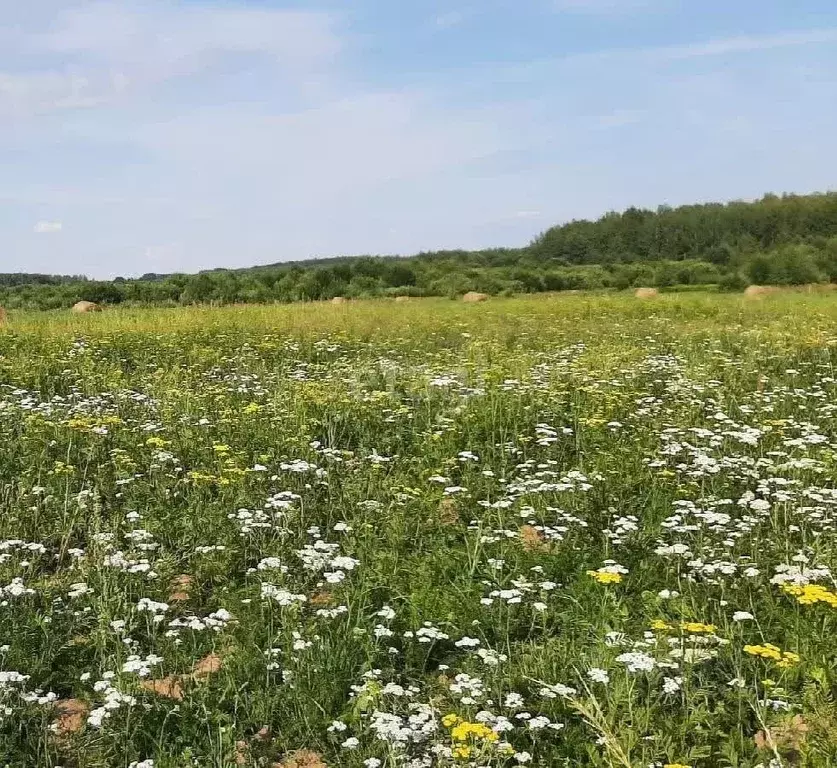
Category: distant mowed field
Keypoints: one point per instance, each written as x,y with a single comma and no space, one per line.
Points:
568,530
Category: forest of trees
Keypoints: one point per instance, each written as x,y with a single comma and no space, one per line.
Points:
787,240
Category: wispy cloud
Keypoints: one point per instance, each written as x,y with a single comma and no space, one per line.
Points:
449,19
713,48
620,117
156,30
107,49
606,6
47,227
746,44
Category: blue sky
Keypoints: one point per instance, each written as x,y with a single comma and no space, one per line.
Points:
166,135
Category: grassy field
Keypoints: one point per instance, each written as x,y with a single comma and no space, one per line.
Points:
554,531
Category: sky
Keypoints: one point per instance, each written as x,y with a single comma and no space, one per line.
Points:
177,135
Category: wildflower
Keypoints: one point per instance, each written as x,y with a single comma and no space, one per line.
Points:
604,577
742,616
637,661
537,723
598,675
696,627
513,700
463,731
809,594
783,659
556,690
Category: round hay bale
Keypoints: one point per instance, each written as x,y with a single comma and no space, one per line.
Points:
472,297
400,299
339,300
757,291
85,306
646,293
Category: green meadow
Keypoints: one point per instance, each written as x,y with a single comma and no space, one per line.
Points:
560,530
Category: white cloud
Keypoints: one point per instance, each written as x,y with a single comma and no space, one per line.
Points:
605,6
619,118
450,19
25,94
47,227
110,48
167,40
747,44
311,157
156,30
713,48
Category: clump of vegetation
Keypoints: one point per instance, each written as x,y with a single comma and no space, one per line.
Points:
587,531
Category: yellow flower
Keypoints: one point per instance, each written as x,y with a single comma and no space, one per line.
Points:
696,627
809,594
676,765
461,752
766,651
783,659
788,659
658,625
604,577
450,720
464,731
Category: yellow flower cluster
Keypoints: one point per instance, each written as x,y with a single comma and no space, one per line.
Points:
676,765
783,659
696,627
604,577
810,594
693,627
465,731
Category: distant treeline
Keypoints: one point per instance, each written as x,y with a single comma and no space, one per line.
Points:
788,240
